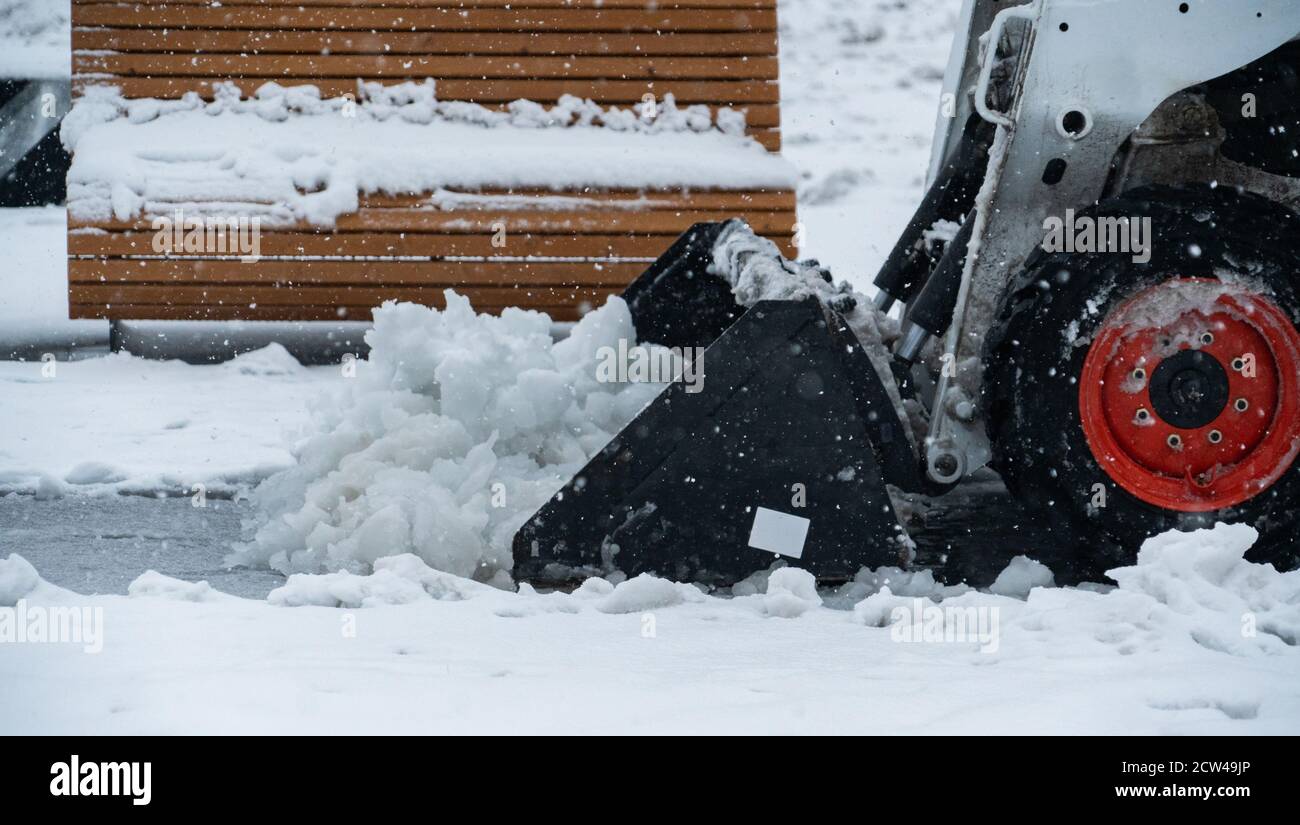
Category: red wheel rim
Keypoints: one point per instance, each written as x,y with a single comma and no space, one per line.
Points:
1150,392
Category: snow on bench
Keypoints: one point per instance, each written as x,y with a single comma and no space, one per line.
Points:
390,151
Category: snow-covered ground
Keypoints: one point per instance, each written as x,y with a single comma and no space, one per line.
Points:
35,38
410,650
1193,639
118,423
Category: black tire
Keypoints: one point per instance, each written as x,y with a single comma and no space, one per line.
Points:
1031,392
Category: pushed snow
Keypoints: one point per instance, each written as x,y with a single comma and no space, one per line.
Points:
47,487
462,425
155,585
93,472
1022,575
458,428
395,580
17,579
273,359
791,592
1204,582
647,592
877,610
898,581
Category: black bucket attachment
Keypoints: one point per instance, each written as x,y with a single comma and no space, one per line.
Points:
678,302
779,455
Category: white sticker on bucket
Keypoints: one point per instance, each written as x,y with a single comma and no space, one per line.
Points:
779,533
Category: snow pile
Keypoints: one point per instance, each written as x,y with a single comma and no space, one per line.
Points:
285,155
154,585
17,579
271,360
1186,591
757,271
1021,576
791,592
1201,580
35,38
899,581
877,610
93,472
397,579
20,581
407,579
647,592
458,428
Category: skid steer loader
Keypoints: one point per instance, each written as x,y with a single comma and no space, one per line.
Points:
1097,297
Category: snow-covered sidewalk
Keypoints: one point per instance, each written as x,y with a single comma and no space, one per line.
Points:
35,38
1191,642
119,423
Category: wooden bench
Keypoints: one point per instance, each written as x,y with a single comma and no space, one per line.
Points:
411,246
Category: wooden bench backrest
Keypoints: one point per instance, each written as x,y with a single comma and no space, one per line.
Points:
722,53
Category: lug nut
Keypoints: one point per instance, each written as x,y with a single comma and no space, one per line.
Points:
1143,416
1242,405
1215,436
1175,442
1238,365
1207,339
1139,374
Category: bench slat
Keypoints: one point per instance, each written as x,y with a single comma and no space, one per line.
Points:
506,201
465,4
174,312
400,245
607,92
560,19
408,66
324,296
429,274
739,200
462,4
227,41
514,223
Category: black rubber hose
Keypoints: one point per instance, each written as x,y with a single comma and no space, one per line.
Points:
933,307
952,196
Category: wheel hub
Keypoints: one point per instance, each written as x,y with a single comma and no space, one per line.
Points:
1189,390
1190,395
